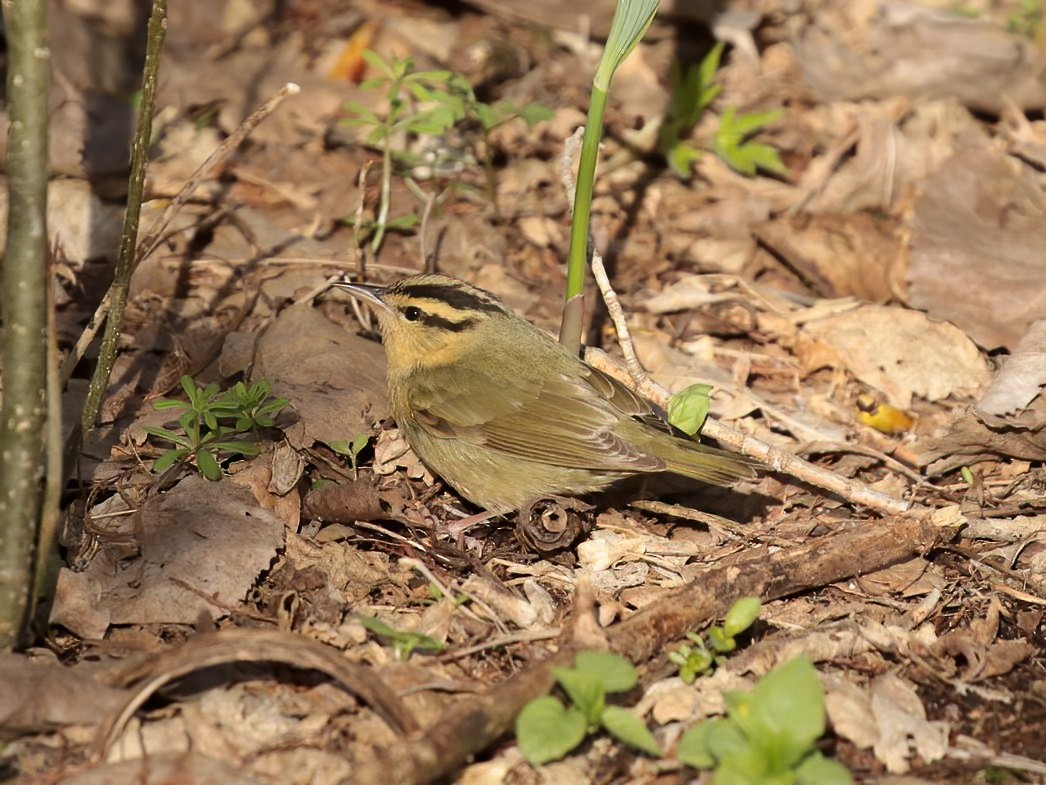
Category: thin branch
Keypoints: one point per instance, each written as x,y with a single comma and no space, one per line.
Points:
136,187
776,459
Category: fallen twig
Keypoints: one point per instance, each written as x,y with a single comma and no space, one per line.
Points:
249,645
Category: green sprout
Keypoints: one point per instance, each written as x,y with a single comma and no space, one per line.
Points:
404,642
212,423
699,658
546,730
691,92
424,104
351,450
768,735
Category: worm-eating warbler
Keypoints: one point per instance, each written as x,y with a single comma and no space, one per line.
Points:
507,415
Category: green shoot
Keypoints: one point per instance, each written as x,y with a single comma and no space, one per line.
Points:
424,104
699,658
731,142
211,423
351,450
631,20
768,734
546,730
691,92
404,642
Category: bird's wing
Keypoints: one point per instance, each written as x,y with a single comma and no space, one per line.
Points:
563,420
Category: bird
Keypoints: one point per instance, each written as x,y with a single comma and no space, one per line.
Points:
507,415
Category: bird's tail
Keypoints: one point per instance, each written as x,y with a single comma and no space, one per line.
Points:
708,464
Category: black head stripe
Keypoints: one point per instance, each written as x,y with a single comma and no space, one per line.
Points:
431,320
455,296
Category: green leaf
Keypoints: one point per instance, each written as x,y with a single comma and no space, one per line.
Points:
487,115
711,742
818,770
585,690
726,739
745,124
741,616
208,465
188,385
168,459
247,449
721,642
627,727
546,731
377,61
614,672
692,661
404,642
681,158
630,22
403,223
785,713
535,113
693,747
168,404
706,73
164,433
688,408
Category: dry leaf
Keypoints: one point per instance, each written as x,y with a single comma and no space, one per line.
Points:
901,353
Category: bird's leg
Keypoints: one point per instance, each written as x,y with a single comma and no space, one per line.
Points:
457,528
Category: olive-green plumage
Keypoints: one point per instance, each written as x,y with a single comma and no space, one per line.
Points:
504,413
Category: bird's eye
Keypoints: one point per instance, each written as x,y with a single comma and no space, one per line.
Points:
412,313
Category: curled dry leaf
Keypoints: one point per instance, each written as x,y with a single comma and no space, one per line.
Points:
899,352
1022,377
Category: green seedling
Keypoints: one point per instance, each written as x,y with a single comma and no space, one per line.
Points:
424,104
211,423
768,735
692,91
1029,20
404,643
732,144
699,658
351,450
547,730
436,595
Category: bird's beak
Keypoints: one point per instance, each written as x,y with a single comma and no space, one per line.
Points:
367,292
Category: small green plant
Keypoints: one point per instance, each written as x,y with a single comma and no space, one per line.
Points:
695,660
351,450
731,142
404,642
546,730
1029,19
692,91
768,735
212,423
420,104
